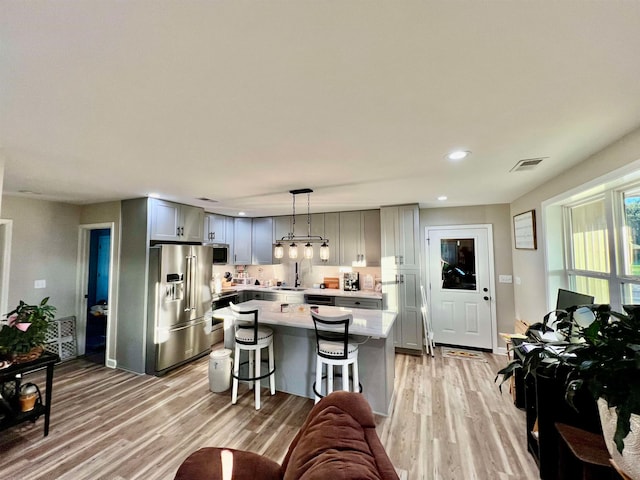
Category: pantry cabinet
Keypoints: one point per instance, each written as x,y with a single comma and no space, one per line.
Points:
401,273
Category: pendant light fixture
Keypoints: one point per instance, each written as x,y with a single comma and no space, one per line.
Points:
307,252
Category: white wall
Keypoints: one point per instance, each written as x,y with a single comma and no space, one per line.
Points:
498,217
529,265
44,247
1,180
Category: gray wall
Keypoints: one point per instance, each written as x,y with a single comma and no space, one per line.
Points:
498,216
108,212
531,295
44,246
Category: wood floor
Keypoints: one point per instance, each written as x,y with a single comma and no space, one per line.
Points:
449,421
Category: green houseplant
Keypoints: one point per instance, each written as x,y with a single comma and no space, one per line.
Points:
603,356
25,328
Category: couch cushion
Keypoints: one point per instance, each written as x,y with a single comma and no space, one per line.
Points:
205,464
333,446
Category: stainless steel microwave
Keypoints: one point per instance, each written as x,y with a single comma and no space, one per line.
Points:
220,254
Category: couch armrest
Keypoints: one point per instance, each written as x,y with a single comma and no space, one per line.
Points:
208,464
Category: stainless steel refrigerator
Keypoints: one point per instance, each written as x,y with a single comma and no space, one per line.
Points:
179,297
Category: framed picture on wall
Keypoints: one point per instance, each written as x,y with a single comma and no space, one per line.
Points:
524,230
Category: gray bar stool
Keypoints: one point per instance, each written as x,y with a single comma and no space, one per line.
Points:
252,338
333,349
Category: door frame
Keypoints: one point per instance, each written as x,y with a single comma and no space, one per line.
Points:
82,285
492,277
6,231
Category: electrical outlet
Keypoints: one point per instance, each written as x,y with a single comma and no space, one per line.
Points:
505,279
40,284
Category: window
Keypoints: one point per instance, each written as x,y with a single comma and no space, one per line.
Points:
596,264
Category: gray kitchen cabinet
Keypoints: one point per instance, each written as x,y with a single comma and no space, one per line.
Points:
358,302
332,232
281,227
242,241
215,228
261,241
401,273
360,237
175,222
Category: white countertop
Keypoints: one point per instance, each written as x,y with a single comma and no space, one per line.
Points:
371,323
329,292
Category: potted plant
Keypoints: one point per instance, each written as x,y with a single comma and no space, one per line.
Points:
603,356
24,331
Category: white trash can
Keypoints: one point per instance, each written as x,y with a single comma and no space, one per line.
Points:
220,362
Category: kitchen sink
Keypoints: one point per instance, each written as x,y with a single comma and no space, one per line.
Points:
295,289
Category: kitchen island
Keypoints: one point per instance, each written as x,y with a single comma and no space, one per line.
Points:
295,347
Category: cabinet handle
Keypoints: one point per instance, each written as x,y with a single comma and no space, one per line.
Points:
401,259
182,231
397,279
214,235
178,231
357,303
401,278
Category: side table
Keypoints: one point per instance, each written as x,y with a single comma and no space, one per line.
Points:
583,455
12,415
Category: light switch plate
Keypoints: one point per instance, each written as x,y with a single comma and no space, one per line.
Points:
518,281
40,284
505,279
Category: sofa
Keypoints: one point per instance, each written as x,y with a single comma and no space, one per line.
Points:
338,440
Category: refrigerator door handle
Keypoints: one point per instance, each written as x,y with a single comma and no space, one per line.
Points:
187,307
194,279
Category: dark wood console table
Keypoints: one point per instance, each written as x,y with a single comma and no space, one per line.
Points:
9,408
545,405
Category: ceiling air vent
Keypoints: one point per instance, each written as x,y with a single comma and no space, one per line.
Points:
527,164
205,199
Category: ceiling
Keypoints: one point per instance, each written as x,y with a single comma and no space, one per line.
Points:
242,101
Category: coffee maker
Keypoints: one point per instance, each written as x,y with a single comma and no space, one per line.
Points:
351,281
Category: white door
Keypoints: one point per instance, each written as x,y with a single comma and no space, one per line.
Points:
461,284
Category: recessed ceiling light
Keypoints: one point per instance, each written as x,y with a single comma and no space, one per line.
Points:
458,154
442,198
242,214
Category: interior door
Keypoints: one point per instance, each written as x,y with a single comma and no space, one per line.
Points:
460,285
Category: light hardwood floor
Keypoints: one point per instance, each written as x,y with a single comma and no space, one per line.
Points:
449,421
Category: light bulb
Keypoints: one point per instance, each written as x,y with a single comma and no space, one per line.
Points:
293,251
324,252
308,251
278,251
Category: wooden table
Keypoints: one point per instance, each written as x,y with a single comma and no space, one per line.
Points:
12,414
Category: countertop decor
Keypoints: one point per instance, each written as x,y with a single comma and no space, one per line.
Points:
23,333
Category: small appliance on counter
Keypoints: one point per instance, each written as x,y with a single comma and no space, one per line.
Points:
351,281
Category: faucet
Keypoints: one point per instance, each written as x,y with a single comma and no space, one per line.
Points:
296,283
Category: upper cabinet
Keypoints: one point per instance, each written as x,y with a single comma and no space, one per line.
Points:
175,222
242,229
215,228
332,232
400,228
262,241
360,238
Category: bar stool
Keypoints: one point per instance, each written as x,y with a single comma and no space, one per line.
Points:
333,349
252,338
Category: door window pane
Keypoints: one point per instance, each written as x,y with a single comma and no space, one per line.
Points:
631,233
458,260
597,287
589,236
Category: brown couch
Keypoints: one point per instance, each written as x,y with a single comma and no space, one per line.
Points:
337,441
